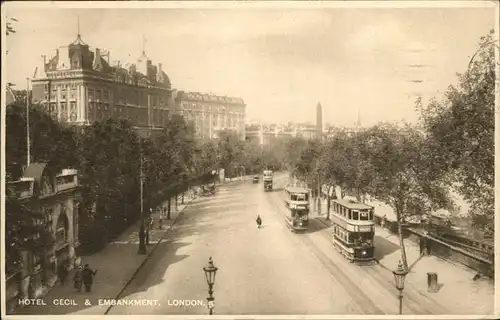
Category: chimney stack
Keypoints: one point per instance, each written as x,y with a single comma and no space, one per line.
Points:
159,74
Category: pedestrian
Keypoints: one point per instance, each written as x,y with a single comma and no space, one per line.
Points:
160,223
78,278
62,272
421,243
383,221
259,221
88,277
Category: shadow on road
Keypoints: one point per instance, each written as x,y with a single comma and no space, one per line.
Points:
383,247
315,225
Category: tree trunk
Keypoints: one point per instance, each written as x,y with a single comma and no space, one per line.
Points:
169,207
328,203
401,241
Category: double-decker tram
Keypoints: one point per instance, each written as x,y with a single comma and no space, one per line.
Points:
353,230
297,205
268,180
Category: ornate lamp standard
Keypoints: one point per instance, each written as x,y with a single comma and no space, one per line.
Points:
399,278
210,271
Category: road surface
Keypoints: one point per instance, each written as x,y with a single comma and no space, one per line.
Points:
261,271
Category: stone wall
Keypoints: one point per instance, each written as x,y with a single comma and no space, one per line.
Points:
441,250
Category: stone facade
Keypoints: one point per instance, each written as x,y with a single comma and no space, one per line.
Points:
81,86
211,114
57,197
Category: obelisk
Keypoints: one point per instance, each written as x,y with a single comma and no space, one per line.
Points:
319,122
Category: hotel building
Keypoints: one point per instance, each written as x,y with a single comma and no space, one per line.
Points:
211,114
79,85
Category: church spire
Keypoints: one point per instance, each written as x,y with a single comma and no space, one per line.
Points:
358,122
143,55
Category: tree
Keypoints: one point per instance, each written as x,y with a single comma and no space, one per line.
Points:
461,132
49,140
346,162
21,224
294,149
405,176
109,168
229,151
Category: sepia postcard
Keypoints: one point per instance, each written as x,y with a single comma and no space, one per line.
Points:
249,160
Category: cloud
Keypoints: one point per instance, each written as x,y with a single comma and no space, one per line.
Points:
375,37
238,24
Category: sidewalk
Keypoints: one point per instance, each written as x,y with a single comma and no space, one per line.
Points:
458,292
117,264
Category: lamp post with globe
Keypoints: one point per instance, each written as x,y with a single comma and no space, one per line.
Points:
210,271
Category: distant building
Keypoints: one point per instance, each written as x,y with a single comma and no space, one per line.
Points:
267,135
56,195
308,133
81,86
211,113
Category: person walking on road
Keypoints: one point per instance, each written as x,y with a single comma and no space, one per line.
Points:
62,273
259,221
78,278
88,277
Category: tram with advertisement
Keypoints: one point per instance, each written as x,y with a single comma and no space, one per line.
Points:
297,205
353,229
268,180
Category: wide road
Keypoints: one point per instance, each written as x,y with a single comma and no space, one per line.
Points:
261,271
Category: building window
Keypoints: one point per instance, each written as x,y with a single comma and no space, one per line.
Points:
64,112
106,95
53,109
73,114
63,96
63,87
46,88
91,94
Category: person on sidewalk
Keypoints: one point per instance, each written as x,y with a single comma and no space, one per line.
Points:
383,221
78,278
88,277
62,273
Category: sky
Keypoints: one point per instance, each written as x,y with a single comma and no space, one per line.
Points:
282,59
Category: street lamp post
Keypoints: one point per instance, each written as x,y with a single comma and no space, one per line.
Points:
210,271
142,233
399,278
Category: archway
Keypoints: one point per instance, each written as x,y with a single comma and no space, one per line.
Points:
61,235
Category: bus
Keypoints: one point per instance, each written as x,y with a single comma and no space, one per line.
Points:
297,205
268,180
353,229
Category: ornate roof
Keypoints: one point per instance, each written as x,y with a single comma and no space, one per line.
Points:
78,41
208,97
35,170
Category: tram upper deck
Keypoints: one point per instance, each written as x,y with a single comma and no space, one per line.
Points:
347,212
